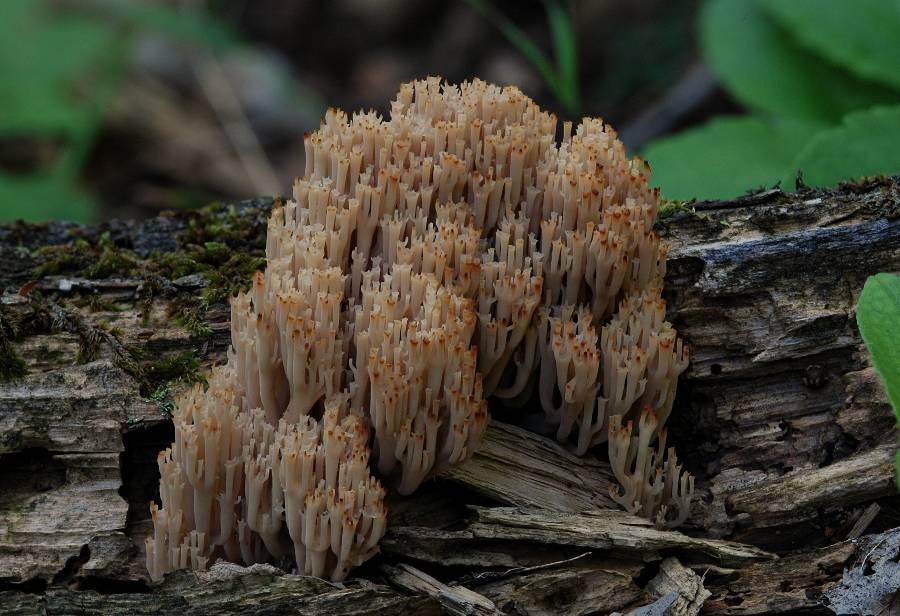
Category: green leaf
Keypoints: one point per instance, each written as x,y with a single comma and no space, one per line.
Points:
866,143
861,35
878,317
45,196
767,69
726,157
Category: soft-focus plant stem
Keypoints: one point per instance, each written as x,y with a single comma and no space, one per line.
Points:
560,76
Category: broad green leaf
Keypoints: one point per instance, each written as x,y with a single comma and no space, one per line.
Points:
878,317
866,143
766,69
861,35
41,197
726,157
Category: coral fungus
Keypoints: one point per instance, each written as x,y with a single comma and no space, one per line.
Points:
453,252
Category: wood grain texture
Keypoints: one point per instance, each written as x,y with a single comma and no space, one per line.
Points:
227,589
780,416
517,467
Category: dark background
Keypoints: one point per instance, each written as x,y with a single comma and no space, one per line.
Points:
179,118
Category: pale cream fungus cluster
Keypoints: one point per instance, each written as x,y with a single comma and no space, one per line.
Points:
451,253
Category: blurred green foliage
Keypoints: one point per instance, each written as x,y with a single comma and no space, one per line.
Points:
863,35
561,73
878,317
821,81
770,72
60,65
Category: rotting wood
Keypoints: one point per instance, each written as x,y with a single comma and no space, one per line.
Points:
675,577
866,518
805,493
227,589
872,585
660,607
780,416
456,599
605,530
793,584
517,467
583,584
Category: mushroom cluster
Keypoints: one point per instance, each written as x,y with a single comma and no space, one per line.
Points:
236,487
452,253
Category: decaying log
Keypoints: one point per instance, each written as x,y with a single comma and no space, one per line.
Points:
684,583
456,600
780,416
517,467
227,589
861,477
583,584
604,530
872,586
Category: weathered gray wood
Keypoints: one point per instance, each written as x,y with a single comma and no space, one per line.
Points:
806,493
604,530
872,586
41,529
455,599
780,415
865,519
226,589
660,607
764,292
517,467
584,584
793,584
673,577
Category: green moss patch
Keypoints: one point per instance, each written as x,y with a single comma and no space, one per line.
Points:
220,243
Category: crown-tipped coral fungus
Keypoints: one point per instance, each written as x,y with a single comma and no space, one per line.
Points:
453,252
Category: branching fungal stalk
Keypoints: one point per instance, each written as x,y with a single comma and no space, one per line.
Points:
453,252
